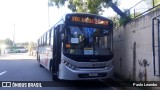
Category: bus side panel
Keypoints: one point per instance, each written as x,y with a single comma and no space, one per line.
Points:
41,56
48,56
45,56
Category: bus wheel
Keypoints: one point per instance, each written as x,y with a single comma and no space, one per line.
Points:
40,65
51,67
55,78
37,57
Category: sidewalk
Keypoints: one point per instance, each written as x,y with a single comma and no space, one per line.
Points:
11,56
126,85
3,55
117,83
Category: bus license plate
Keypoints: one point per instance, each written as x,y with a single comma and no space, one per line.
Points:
93,74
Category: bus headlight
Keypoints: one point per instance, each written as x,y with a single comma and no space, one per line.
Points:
70,65
109,66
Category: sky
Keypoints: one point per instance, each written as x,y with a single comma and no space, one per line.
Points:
31,18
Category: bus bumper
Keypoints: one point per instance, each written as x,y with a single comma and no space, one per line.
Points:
67,73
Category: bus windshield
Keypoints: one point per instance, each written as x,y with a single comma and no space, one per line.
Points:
87,41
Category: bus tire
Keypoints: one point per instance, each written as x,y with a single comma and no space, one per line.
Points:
40,65
55,77
37,57
50,66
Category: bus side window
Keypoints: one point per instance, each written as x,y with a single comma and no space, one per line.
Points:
38,43
48,37
51,49
42,41
68,33
52,36
50,31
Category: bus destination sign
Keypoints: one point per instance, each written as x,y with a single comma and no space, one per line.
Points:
89,20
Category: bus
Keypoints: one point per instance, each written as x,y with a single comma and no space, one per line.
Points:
78,47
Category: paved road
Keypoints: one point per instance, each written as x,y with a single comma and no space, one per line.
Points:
21,67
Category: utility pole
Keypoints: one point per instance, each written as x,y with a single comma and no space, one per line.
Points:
48,14
50,4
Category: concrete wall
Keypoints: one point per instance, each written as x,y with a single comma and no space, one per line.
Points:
133,54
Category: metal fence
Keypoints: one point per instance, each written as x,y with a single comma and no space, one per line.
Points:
143,7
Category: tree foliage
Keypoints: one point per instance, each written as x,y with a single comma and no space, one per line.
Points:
156,2
86,6
7,41
31,47
152,2
94,7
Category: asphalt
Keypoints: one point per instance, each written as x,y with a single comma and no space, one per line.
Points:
22,67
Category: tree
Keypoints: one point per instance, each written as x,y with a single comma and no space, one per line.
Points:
156,3
1,41
93,7
86,6
8,42
31,47
152,3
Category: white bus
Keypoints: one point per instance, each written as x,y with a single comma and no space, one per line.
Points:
78,47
